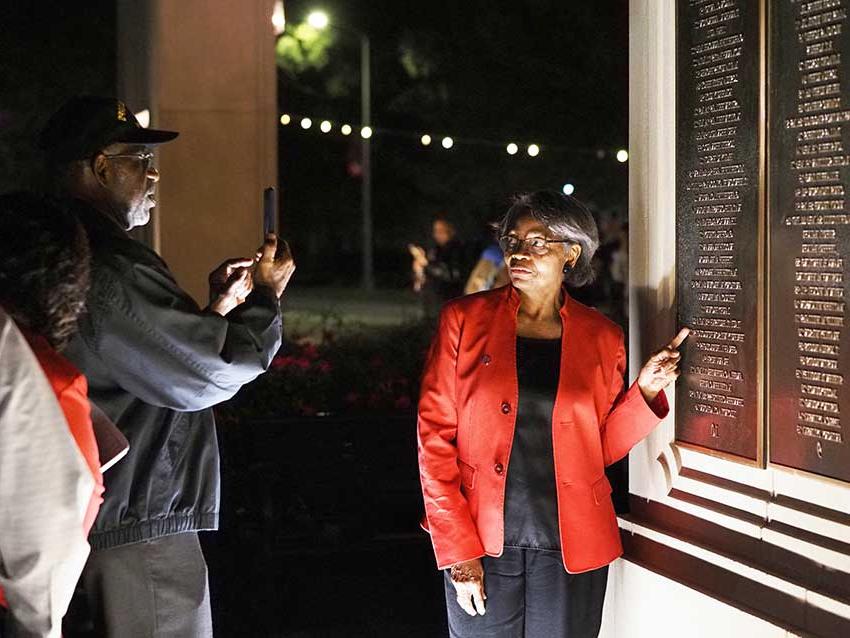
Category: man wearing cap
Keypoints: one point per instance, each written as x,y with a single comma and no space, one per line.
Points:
156,364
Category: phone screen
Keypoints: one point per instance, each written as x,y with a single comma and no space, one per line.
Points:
269,210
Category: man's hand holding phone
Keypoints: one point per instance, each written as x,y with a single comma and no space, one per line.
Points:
274,266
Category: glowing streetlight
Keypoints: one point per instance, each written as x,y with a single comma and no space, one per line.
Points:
318,19
345,129
278,18
622,155
426,140
325,126
447,142
569,189
306,123
366,132
512,149
285,119
533,150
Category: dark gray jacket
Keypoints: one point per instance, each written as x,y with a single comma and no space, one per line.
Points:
156,364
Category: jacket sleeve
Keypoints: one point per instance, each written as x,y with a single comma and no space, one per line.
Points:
45,487
630,418
159,346
453,532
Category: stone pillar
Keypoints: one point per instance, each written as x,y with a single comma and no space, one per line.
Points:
205,68
652,211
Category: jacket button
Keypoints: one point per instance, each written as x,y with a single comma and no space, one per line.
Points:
499,468
506,408
486,359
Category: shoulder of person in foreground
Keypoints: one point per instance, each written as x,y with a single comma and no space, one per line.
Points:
602,327
479,302
44,488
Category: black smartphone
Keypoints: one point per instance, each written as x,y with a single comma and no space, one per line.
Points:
269,211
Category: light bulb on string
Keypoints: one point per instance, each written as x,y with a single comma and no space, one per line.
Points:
533,150
306,123
448,142
345,129
426,140
512,149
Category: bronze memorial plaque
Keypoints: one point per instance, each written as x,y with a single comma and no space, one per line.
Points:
719,226
809,227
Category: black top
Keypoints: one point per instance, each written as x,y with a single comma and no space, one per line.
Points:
531,502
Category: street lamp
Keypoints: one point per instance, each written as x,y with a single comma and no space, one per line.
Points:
320,20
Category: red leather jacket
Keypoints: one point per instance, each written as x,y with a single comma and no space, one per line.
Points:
467,414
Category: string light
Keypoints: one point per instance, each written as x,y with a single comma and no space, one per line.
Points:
447,142
569,189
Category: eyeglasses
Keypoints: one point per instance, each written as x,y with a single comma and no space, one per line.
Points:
145,157
511,245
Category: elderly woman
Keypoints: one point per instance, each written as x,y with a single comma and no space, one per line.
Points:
522,407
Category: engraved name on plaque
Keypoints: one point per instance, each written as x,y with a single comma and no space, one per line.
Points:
809,220
718,224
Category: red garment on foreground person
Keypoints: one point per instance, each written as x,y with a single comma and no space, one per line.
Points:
71,391
467,414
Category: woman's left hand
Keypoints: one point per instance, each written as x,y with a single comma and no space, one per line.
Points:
662,368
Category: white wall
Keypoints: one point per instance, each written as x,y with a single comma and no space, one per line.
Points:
640,603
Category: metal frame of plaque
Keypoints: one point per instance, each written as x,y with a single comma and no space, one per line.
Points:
720,225
809,219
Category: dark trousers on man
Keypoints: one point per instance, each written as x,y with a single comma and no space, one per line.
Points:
153,589
531,595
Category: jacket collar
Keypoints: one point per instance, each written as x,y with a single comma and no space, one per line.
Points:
513,299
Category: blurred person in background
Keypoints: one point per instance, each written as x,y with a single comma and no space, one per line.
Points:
440,272
489,271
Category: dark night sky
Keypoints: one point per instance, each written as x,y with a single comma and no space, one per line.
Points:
548,71
545,71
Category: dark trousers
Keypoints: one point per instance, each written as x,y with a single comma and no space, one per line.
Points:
531,595
152,589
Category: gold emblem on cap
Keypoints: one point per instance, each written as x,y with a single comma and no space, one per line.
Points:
122,111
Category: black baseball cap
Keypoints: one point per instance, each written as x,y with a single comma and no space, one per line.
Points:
86,124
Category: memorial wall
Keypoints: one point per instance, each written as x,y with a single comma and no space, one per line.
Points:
762,230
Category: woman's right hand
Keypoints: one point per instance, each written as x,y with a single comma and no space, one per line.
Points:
468,579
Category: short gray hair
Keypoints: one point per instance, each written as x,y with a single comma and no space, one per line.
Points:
566,218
